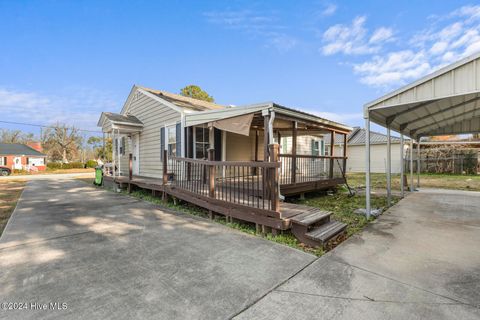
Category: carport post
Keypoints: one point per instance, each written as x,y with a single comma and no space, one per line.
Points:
389,167
402,165
412,188
367,165
418,163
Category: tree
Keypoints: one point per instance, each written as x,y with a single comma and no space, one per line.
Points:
196,92
61,142
15,136
97,146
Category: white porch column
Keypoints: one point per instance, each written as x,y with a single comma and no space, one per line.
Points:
114,155
118,152
412,188
389,167
402,165
418,163
367,165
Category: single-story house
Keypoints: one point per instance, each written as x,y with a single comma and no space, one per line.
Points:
378,145
17,156
238,161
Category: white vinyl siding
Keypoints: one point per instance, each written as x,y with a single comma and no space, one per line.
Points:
378,156
153,115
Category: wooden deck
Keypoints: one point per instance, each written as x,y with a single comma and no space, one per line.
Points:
236,207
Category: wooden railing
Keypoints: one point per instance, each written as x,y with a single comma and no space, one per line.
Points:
247,183
307,168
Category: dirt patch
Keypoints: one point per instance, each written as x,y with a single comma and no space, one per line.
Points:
10,191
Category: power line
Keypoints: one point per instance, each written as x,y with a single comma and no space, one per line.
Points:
42,126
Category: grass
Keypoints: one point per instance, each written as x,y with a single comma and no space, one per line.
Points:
443,181
10,191
343,206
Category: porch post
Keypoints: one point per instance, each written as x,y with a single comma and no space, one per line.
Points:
389,167
103,142
367,165
332,150
294,152
412,188
114,154
418,163
266,119
345,153
274,186
402,165
211,173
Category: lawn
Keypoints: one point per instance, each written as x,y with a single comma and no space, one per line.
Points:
444,181
10,191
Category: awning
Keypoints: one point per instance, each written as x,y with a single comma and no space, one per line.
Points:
240,124
445,102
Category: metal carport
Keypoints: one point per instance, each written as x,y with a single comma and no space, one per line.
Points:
444,102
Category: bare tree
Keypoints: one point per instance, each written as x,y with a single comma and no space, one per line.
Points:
61,142
15,136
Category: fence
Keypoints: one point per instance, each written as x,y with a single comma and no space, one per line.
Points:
455,164
306,168
247,183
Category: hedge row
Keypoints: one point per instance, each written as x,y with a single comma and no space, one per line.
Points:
71,165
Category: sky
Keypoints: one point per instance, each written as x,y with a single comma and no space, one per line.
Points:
67,61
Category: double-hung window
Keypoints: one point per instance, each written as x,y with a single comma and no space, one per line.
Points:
172,141
201,142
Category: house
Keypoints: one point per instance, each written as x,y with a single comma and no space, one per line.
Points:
17,156
236,161
378,145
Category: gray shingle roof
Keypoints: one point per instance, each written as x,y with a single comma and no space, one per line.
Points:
18,149
116,117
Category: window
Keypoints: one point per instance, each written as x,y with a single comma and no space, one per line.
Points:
315,148
3,161
201,142
172,141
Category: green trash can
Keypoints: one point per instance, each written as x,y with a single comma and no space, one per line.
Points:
98,176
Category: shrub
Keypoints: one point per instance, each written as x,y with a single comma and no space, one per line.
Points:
54,165
91,164
73,165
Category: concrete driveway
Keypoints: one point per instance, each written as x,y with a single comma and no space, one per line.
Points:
420,260
108,256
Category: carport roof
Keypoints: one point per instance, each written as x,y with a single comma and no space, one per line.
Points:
444,102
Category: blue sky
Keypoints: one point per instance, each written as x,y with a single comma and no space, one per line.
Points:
69,60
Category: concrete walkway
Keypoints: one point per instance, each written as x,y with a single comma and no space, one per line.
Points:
420,260
108,256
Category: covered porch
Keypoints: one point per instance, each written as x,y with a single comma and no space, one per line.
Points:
244,134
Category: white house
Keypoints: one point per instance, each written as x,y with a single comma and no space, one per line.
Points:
356,150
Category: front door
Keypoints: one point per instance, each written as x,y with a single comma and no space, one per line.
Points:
136,154
17,163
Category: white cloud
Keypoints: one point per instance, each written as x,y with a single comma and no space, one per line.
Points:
353,39
341,117
443,41
381,34
79,107
256,25
329,10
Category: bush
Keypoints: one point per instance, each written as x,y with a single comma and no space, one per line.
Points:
73,165
54,165
91,164
70,165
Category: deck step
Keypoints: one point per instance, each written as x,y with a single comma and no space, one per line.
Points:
326,231
310,217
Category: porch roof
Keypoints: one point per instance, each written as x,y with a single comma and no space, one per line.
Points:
205,117
124,123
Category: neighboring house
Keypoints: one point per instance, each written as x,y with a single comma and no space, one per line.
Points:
378,152
17,156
